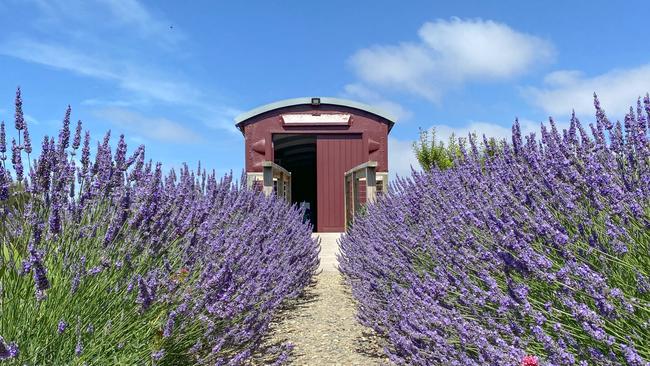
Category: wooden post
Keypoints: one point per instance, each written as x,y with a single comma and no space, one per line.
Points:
371,184
275,173
352,179
355,192
280,178
289,188
268,180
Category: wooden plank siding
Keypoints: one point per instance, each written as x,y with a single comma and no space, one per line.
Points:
335,154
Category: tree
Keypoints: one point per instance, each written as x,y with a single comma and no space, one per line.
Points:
433,153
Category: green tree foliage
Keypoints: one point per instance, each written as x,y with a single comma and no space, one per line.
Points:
433,153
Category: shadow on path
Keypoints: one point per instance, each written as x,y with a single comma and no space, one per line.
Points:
322,327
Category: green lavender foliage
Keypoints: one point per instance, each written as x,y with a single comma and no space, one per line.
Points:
112,262
103,319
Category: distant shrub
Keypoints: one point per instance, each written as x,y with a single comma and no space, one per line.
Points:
540,249
113,262
432,153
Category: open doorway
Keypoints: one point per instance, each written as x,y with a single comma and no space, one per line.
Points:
297,154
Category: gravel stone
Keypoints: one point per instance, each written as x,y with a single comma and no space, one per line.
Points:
321,324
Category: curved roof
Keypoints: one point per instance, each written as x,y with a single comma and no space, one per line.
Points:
307,101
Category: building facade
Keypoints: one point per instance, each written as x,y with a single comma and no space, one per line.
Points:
327,153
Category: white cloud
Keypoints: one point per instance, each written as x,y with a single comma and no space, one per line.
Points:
111,103
366,95
57,56
218,116
118,42
449,54
401,158
126,74
401,67
107,15
565,90
158,128
477,49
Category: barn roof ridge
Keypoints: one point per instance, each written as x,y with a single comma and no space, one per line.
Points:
308,101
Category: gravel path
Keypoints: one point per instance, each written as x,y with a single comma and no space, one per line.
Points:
321,324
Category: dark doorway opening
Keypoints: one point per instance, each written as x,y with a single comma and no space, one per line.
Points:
297,154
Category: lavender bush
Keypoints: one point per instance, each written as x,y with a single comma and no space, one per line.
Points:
106,260
539,251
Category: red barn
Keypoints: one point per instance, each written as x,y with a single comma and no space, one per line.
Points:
328,153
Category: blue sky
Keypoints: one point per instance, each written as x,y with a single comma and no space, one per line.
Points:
173,74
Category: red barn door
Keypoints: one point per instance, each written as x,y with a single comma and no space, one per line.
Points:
335,154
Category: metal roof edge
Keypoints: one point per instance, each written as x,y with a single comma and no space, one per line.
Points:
307,101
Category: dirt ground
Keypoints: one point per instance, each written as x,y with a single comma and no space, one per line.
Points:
321,324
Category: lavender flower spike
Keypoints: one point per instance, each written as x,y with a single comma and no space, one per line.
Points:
3,141
7,351
4,184
76,141
20,119
79,348
27,142
144,294
64,134
40,273
16,160
158,355
61,327
85,154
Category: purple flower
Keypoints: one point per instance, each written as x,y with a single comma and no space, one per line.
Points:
3,141
219,248
632,357
40,274
20,120
16,160
79,348
497,251
27,142
158,355
4,184
94,271
169,325
8,351
145,296
64,133
120,154
516,136
76,141
26,267
55,215
76,280
61,327
643,284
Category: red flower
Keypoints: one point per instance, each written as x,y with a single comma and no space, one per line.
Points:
529,361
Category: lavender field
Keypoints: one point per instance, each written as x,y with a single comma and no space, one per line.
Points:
105,259
532,252
529,252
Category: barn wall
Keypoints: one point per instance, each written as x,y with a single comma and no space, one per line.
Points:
258,132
